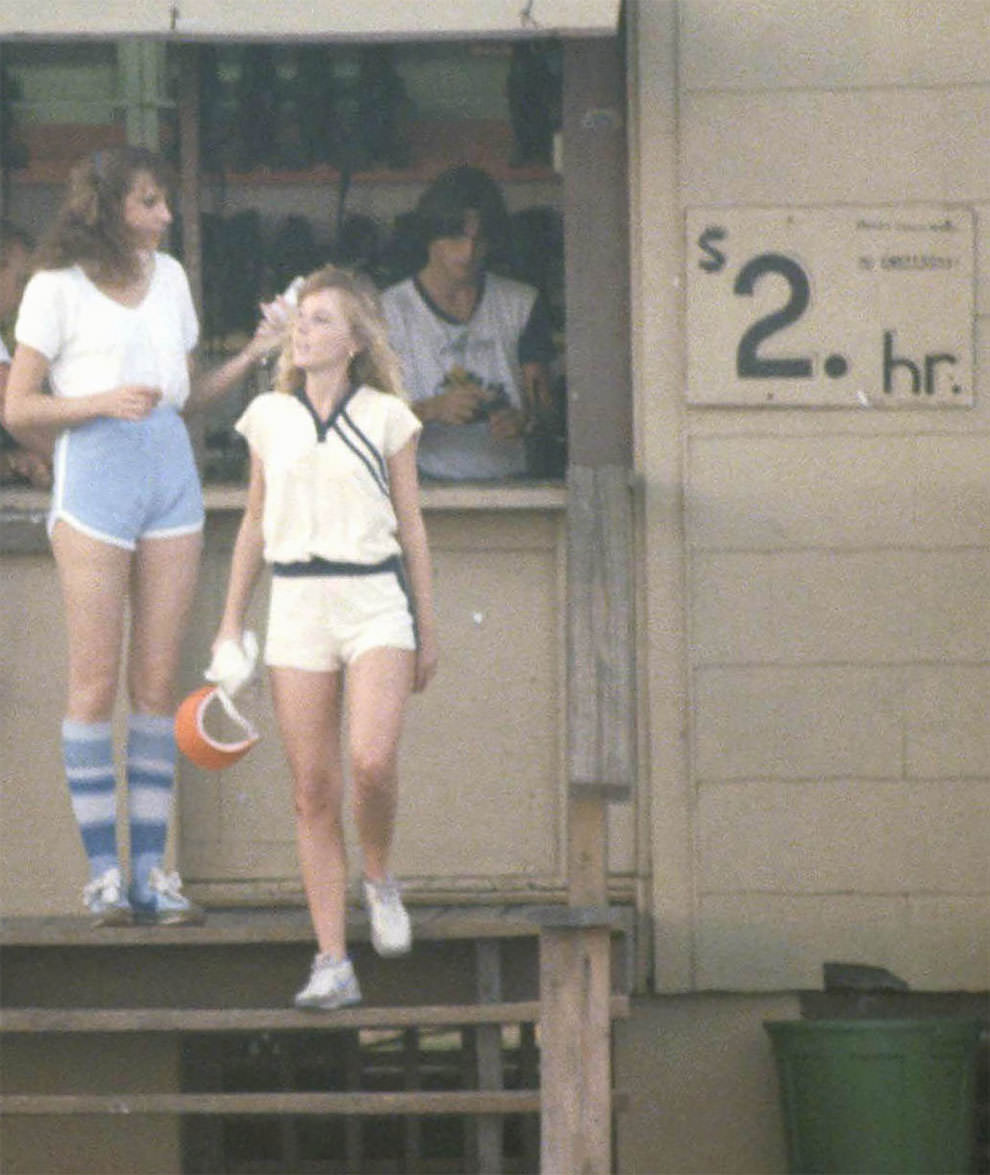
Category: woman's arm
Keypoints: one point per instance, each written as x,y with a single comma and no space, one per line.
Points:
247,559
33,457
28,406
207,386
415,551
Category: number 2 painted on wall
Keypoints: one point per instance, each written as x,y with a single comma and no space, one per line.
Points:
750,364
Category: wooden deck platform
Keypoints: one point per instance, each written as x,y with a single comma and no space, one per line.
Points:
132,1020
273,924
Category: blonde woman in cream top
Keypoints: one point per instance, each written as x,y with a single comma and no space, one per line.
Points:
333,507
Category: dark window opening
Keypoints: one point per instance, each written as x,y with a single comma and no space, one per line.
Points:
353,1061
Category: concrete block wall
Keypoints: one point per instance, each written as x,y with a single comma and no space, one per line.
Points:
821,752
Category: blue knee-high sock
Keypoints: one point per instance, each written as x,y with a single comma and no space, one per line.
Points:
150,784
87,748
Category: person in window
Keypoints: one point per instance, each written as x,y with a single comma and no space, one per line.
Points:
333,506
475,347
107,321
18,463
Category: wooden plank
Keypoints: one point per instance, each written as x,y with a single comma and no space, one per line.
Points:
288,924
206,1020
269,1104
587,852
412,1127
529,1078
261,1019
609,793
575,1035
190,169
596,254
488,1043
577,917
353,1126
600,630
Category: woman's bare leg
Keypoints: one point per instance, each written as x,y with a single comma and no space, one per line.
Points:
163,583
379,683
94,577
307,706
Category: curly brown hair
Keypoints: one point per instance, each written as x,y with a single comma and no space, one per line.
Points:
89,229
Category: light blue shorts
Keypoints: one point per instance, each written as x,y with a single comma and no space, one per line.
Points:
125,480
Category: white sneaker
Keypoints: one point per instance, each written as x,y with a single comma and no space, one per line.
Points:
391,932
332,984
161,902
105,900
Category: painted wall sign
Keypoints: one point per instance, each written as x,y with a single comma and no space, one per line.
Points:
831,307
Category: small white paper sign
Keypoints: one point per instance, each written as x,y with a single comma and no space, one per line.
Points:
831,307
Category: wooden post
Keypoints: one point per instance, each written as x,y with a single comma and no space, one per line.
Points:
190,209
354,1080
575,962
189,171
575,1048
412,1125
601,743
488,1049
576,1094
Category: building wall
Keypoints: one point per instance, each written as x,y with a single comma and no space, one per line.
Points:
815,638
702,1092
483,769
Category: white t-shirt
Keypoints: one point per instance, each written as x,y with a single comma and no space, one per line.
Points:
326,482
4,353
94,344
486,347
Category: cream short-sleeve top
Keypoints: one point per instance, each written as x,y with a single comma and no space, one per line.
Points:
326,481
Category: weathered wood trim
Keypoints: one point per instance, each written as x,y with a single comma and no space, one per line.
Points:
129,1020
190,171
601,696
587,852
577,917
575,1037
596,254
609,793
456,1102
488,1133
291,924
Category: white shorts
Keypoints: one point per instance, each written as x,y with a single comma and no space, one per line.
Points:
323,622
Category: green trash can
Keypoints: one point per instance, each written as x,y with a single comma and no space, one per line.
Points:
877,1097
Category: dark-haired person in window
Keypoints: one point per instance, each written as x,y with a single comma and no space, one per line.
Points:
475,346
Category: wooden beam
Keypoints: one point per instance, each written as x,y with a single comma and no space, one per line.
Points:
575,1038
596,254
190,176
269,925
488,1045
128,1020
412,1127
359,1104
261,1019
579,917
601,697
587,852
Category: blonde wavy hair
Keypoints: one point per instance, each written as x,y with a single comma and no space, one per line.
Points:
374,363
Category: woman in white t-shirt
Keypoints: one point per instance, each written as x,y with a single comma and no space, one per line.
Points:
108,321
333,507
